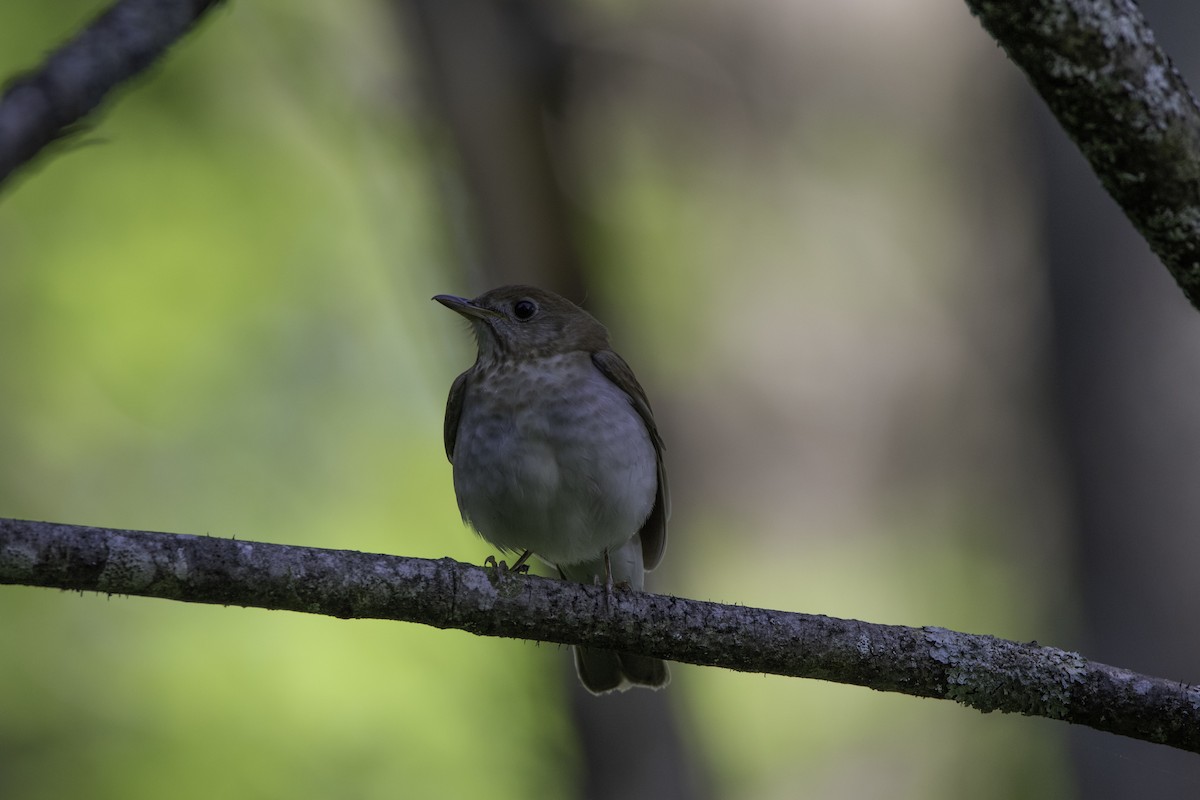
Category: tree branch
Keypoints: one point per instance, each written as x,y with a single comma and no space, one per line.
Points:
983,672
46,105
1119,97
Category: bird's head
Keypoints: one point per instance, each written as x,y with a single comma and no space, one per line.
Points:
520,322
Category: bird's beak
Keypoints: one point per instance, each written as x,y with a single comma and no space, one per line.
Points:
464,306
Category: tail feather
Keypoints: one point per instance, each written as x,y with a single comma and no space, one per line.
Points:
602,671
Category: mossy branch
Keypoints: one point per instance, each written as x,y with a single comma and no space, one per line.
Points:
982,672
1119,97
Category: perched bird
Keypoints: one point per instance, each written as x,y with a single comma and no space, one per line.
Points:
555,452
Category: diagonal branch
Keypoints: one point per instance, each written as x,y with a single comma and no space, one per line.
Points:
46,105
1119,97
983,672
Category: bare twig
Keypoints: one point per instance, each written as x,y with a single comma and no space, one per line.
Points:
1119,97
983,672
45,105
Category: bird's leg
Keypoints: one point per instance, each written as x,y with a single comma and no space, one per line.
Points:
608,581
519,566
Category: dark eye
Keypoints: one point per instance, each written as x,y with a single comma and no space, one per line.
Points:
524,309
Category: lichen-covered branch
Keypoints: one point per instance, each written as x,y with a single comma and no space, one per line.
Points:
45,105
1119,97
979,671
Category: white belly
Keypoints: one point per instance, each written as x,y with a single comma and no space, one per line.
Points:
567,472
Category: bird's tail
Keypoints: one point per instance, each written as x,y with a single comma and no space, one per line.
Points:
603,671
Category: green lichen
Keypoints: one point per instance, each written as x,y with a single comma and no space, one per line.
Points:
991,674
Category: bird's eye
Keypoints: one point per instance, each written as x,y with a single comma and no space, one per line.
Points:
524,309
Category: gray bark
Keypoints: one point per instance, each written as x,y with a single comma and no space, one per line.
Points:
48,104
1115,92
982,672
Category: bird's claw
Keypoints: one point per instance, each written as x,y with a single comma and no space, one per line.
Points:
519,566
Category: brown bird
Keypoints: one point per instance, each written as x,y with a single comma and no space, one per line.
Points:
555,452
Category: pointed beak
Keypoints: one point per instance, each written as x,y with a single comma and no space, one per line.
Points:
464,306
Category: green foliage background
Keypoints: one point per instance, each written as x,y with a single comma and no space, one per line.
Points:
214,319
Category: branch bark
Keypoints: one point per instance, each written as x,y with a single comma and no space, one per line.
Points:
1119,97
982,672
46,105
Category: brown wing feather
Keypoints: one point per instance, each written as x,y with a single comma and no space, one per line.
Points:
454,405
654,530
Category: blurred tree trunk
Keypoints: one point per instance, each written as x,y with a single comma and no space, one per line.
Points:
497,75
1127,375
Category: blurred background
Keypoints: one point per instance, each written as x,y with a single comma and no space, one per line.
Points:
911,364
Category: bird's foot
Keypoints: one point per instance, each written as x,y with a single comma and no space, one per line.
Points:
519,566
502,577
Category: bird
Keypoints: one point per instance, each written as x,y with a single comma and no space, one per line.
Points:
555,452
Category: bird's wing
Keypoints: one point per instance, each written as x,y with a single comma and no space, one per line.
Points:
654,530
454,405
